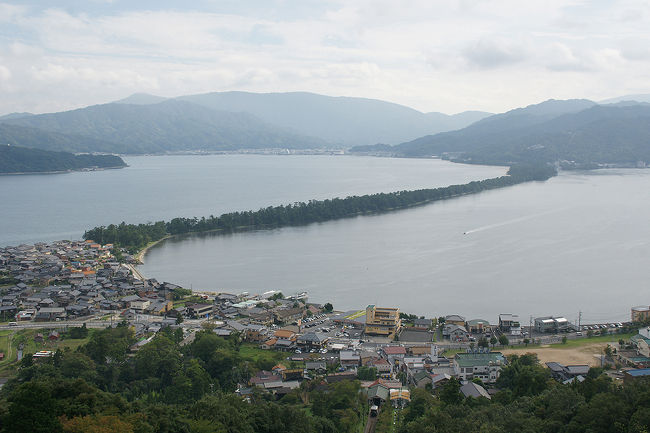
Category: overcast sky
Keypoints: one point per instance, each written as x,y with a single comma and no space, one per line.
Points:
432,55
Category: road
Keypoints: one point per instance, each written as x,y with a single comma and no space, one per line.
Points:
371,423
57,325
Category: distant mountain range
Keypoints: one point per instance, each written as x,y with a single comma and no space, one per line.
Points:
636,98
227,121
342,121
575,130
167,126
27,136
15,159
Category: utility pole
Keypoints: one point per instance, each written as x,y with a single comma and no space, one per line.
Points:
579,320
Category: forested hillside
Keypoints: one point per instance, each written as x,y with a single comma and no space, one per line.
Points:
157,128
25,160
578,131
26,136
167,388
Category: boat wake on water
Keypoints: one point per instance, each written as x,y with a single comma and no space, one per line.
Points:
512,221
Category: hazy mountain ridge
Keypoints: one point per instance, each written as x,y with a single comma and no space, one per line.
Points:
163,127
645,97
141,99
26,136
340,120
578,129
15,116
15,159
575,130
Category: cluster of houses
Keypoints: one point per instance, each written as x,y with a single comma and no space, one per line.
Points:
457,328
76,279
73,280
398,368
637,353
69,280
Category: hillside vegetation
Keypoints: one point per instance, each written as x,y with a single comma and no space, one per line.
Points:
579,131
25,160
167,126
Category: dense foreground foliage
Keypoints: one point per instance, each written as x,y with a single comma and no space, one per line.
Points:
133,237
529,401
166,387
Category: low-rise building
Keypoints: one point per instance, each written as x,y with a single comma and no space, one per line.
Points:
383,367
484,366
455,332
478,326
255,333
564,373
200,310
394,353
422,323
48,314
140,304
289,315
349,358
642,341
455,319
474,390
312,340
551,324
509,323
635,374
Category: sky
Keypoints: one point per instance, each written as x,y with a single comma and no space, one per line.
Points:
432,55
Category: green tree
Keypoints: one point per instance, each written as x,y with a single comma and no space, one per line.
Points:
158,359
503,340
367,373
450,392
31,409
523,375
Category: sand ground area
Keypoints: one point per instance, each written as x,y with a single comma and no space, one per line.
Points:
584,354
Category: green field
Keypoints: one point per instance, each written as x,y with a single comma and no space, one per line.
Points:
26,336
251,352
356,315
596,339
570,344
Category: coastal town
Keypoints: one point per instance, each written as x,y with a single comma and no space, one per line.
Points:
48,289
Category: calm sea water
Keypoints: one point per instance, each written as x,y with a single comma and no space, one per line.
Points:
37,208
579,242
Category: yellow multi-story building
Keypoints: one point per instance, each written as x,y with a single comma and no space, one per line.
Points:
382,321
640,314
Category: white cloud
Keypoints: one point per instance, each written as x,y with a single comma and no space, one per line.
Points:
5,77
489,53
444,56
